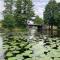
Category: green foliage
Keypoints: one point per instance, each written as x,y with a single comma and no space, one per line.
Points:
57,15
38,20
50,11
9,21
23,12
51,15
8,7
57,18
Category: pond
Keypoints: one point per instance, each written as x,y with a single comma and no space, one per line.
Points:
43,47
46,48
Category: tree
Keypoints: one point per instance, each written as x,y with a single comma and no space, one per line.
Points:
49,14
8,7
38,20
57,18
23,12
9,21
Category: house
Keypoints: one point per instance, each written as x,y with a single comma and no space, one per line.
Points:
30,22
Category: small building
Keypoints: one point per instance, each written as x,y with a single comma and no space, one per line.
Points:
30,22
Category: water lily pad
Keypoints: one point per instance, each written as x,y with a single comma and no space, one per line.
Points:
9,54
57,59
5,46
27,53
28,46
45,58
12,58
15,51
19,57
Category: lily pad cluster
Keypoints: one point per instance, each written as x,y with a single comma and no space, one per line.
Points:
47,49
53,48
17,48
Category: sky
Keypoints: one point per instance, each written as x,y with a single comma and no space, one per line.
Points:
39,7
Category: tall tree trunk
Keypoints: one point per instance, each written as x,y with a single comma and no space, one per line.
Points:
51,30
58,31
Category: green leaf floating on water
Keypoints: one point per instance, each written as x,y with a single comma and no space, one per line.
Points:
28,59
57,59
12,49
54,53
22,44
5,46
44,58
9,54
19,57
12,58
28,46
15,51
27,53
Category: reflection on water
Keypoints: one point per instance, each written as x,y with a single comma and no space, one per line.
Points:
34,35
1,48
31,35
1,42
46,48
